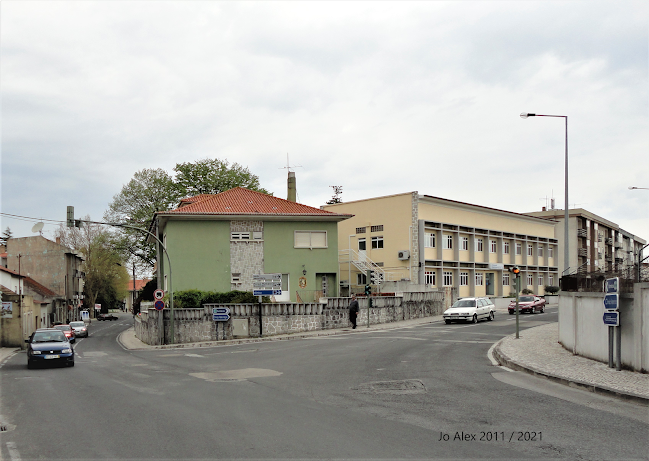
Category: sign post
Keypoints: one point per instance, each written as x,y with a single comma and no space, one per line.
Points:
266,285
612,319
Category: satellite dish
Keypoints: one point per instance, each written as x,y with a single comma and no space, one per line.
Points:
38,227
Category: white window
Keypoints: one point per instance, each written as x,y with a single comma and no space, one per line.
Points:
540,280
530,250
506,248
377,243
530,279
464,279
361,279
519,248
478,244
429,240
465,244
541,252
505,279
310,239
430,278
448,279
257,235
240,236
378,228
492,246
551,280
550,252
360,230
236,277
362,245
479,279
448,242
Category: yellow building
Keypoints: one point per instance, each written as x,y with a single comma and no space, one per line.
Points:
444,243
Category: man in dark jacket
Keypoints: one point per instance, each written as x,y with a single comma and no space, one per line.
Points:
354,309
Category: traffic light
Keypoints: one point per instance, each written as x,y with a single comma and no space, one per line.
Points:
515,270
368,290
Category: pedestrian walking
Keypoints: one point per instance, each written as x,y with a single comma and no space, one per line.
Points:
354,309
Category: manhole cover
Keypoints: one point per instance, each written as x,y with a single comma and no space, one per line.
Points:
403,386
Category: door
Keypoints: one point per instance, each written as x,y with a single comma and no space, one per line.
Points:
490,283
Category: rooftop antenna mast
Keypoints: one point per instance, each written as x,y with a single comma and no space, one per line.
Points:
288,165
291,183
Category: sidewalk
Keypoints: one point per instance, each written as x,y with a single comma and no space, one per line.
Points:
537,351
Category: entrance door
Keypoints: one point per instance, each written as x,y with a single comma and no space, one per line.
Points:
490,283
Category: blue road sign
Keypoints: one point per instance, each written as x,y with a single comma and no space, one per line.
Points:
159,305
612,285
221,311
266,292
612,319
611,301
220,317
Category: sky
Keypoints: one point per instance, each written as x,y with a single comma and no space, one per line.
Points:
377,97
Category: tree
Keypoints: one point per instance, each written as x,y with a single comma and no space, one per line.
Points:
155,190
6,235
149,191
212,176
103,262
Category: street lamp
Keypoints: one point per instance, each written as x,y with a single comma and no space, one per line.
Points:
566,252
349,264
633,187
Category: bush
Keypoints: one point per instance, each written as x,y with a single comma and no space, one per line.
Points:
527,291
551,290
194,299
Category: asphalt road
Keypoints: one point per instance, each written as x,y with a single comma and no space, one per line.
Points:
426,392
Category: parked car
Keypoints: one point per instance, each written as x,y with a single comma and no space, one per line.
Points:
80,329
470,310
49,346
106,317
531,304
68,331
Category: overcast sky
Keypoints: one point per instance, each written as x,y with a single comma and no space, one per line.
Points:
377,97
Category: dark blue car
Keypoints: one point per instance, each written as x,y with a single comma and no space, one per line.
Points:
49,346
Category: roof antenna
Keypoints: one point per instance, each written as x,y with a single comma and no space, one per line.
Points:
291,195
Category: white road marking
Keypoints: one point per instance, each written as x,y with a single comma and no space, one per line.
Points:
13,451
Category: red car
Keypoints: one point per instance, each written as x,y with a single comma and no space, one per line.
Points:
527,303
68,331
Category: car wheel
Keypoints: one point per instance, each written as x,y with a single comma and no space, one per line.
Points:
511,312
475,318
542,309
30,365
491,316
71,364
447,321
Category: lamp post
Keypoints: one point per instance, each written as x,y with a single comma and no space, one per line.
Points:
640,258
566,252
349,264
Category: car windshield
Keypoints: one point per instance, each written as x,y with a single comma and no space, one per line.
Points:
77,324
63,327
48,336
464,303
526,299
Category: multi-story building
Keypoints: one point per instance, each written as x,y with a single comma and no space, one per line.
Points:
444,243
595,244
53,265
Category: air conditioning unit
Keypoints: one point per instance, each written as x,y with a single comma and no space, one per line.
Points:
404,254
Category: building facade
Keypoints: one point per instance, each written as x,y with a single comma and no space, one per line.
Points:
444,243
220,242
595,244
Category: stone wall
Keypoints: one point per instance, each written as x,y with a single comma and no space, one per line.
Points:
195,325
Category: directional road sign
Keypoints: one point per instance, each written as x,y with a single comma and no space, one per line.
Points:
221,310
266,292
612,285
612,319
159,305
611,301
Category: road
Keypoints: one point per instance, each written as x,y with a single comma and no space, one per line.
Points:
423,392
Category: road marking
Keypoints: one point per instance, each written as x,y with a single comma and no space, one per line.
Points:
460,341
399,337
194,355
13,451
235,375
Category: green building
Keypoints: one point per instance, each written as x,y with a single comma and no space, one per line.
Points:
219,242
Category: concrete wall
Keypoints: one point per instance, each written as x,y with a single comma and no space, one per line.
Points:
582,330
195,325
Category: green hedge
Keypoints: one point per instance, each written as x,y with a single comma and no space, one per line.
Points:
194,299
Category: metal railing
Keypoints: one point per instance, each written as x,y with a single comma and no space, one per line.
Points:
363,263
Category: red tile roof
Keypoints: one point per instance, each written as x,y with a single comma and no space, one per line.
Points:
139,284
40,288
242,201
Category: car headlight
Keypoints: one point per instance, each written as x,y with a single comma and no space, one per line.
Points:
66,351
36,352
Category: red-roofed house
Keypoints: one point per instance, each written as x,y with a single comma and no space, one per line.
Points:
218,242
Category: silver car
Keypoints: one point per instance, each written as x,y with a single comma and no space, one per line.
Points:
80,329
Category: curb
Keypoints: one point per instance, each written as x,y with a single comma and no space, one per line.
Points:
504,360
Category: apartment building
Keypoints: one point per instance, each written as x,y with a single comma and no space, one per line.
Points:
595,243
444,243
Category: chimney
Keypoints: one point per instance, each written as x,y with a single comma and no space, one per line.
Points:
292,189
543,208
58,240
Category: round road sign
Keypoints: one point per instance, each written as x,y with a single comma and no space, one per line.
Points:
159,305
158,294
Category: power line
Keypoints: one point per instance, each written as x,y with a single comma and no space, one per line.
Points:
28,218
